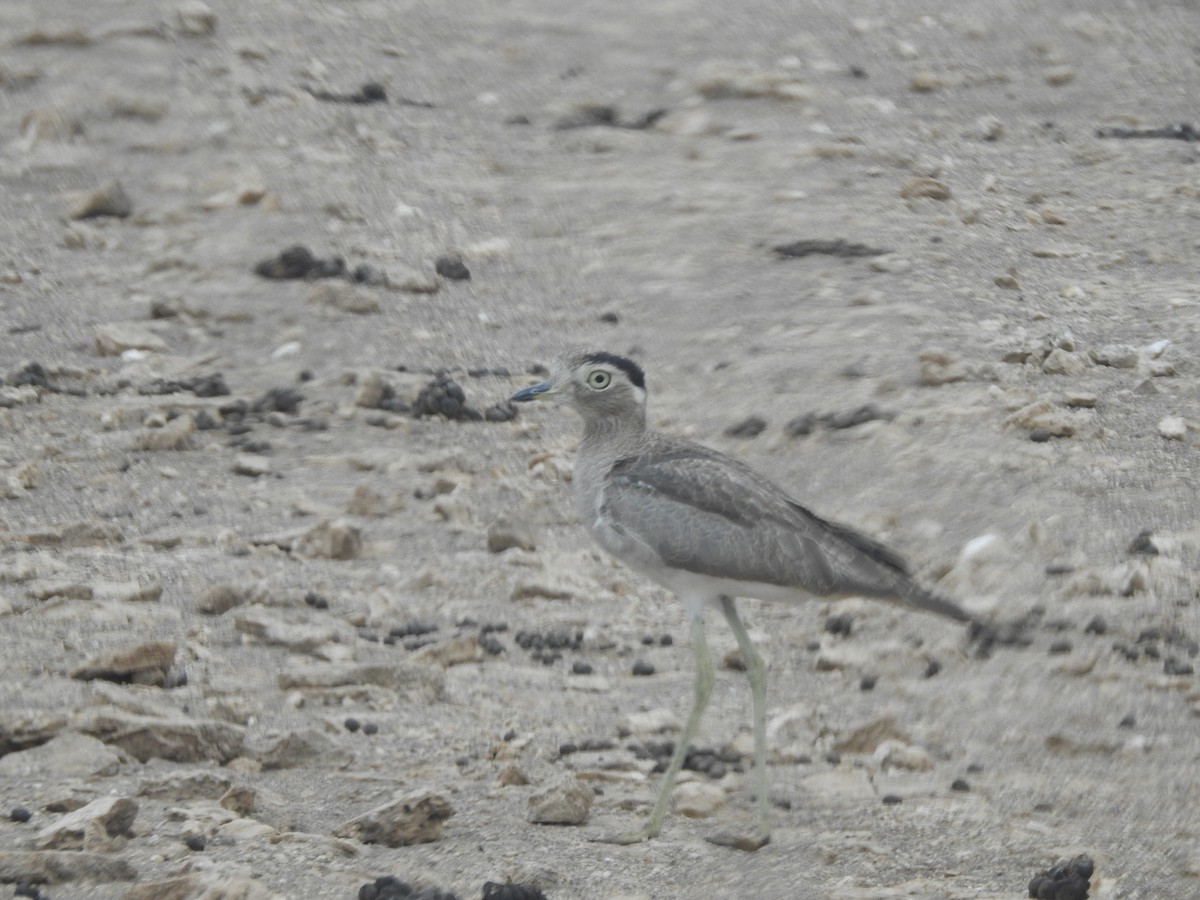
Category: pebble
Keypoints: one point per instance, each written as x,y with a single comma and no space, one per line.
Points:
565,802
452,268
415,817
196,19
925,188
109,199
698,799
344,298
642,668
146,663
750,427
117,339
90,828
1173,428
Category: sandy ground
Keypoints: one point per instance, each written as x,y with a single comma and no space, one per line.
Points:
1029,338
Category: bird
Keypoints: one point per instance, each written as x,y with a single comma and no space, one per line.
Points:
709,529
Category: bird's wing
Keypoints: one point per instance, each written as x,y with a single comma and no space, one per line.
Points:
703,512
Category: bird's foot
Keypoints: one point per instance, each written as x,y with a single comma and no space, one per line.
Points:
748,841
627,837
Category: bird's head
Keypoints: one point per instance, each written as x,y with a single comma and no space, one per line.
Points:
597,384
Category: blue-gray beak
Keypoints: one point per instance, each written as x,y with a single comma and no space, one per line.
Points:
532,392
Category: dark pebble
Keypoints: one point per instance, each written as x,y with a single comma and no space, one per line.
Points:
352,724
1061,646
444,397
32,891
315,600
932,669
751,426
280,399
833,758
867,683
892,799
836,247
196,842
581,668
666,640
841,624
1039,435
801,425
641,667
597,745
490,645
974,768
20,814
610,318
504,411
1143,544
1128,721
647,640
452,267
370,728
1096,625
511,891
960,784
1175,666
568,749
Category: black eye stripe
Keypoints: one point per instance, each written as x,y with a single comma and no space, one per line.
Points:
628,366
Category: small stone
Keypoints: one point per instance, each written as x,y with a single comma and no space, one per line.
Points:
196,842
506,535
1062,362
109,199
117,338
1173,428
335,539
749,427
1057,76
146,663
925,188
960,785
344,298
413,818
252,465
453,268
1116,356
413,281
19,814
91,827
939,367
641,668
566,802
698,799
196,19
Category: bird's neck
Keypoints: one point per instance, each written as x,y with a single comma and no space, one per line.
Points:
613,430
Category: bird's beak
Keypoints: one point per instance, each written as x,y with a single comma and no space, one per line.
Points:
533,392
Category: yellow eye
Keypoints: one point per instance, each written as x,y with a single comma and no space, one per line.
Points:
598,379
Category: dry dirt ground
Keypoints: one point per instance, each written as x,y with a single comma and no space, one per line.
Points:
615,176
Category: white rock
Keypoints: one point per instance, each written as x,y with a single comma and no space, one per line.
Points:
566,802
649,722
196,19
116,338
1173,428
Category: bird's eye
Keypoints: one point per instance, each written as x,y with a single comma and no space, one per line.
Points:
598,379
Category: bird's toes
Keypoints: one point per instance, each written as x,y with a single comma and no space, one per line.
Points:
625,838
747,841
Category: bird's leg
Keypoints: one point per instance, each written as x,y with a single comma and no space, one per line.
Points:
758,692
704,686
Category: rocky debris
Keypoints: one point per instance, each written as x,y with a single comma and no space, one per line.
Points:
895,754
147,663
304,748
809,422
697,799
512,891
591,114
1051,419
336,539
252,465
109,199
750,427
117,338
413,818
370,92
939,367
176,434
720,80
452,268
565,802
453,652
271,626
924,188
868,738
176,738
91,828
414,281
220,598
344,298
389,887
414,683
443,397
60,866
22,729
195,18
504,534
1183,131
214,885
298,261
1173,428
1117,356
1069,880
68,754
835,247
201,385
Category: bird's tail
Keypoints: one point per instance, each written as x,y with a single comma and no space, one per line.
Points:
917,597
